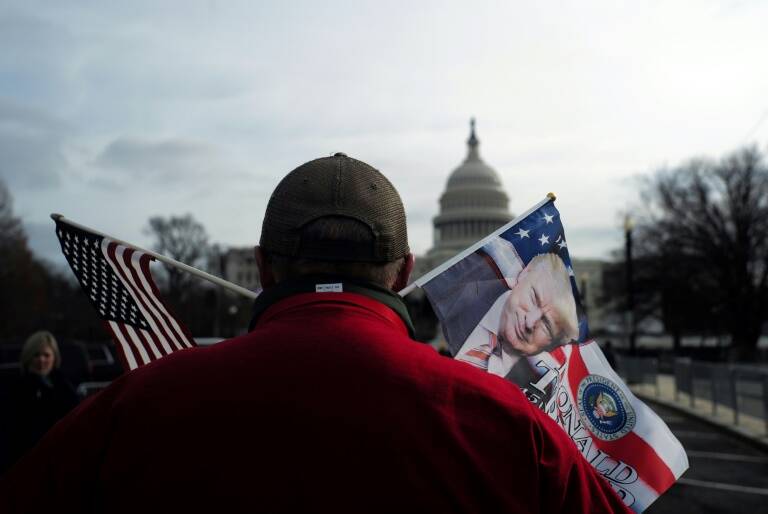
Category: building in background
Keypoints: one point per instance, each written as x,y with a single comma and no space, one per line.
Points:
238,265
233,311
473,205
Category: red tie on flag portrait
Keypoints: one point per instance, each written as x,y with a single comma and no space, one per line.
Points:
509,305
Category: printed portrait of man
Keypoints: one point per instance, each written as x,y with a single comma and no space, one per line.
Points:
537,313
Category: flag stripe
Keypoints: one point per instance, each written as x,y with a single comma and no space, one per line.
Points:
178,334
135,276
126,358
130,335
115,261
124,345
151,336
129,344
137,344
554,359
184,336
141,274
558,354
117,265
631,448
145,343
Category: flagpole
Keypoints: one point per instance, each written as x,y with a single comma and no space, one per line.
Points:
456,258
167,260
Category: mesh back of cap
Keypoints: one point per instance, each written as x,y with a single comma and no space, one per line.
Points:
335,186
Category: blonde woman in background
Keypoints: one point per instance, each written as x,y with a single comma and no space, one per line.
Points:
42,395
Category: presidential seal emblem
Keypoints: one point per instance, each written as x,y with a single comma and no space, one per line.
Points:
604,408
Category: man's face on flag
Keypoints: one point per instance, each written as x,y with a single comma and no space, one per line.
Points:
541,309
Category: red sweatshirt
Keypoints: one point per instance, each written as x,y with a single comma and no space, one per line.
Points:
327,405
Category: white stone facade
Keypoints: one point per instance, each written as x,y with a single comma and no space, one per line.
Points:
239,266
473,205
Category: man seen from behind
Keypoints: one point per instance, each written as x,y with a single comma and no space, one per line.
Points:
326,405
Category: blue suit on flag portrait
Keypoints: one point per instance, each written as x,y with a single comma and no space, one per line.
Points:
470,288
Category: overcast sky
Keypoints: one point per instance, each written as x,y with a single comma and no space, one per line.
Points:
112,114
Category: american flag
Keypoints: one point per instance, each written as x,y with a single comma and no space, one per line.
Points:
118,281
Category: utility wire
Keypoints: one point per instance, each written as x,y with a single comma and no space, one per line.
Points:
755,127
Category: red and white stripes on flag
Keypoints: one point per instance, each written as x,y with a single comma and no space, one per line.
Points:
118,281
164,333
640,462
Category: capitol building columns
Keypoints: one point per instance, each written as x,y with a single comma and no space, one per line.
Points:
473,205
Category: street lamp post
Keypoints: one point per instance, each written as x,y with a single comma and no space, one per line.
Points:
221,263
630,313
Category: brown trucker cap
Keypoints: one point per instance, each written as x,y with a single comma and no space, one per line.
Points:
335,186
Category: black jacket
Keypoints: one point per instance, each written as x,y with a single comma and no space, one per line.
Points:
36,405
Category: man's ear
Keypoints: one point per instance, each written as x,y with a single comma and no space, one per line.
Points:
405,272
266,276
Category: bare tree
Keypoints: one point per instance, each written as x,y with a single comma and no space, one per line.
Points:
703,239
10,226
23,281
181,238
34,295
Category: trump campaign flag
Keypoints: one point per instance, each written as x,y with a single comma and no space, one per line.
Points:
509,305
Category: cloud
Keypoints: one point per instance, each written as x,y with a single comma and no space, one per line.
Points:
163,161
38,65
32,146
163,109
593,241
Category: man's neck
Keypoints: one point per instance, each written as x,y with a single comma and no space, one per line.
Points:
329,284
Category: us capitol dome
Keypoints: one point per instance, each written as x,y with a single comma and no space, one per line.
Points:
473,205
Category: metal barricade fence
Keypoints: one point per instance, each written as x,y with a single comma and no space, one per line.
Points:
683,378
740,388
722,386
743,389
702,382
640,370
750,393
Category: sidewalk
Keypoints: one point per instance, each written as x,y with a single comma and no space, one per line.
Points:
749,428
